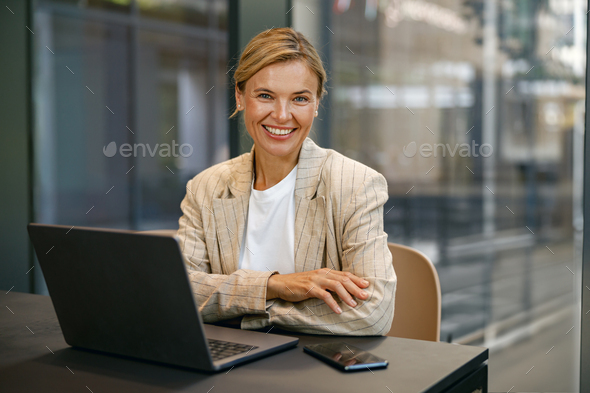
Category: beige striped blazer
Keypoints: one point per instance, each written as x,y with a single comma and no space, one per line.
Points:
338,224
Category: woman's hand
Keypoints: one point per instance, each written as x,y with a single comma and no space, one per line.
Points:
296,287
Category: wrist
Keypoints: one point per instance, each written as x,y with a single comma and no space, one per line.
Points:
271,287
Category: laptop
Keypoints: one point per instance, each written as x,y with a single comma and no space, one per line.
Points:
127,293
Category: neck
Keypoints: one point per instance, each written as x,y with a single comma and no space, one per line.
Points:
270,170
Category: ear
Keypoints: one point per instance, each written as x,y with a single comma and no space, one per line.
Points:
238,97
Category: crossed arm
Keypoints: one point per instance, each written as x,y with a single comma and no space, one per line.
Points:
355,298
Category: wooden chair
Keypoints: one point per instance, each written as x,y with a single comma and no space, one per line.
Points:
418,297
161,232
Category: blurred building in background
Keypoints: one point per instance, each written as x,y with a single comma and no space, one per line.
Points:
472,109
146,73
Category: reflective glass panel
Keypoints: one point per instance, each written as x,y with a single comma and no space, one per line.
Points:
127,108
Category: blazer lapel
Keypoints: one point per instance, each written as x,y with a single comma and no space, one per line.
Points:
310,209
310,233
230,213
230,218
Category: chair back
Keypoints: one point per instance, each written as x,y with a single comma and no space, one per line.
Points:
418,297
161,232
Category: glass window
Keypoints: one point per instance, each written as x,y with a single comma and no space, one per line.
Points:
110,5
181,106
127,108
473,111
193,12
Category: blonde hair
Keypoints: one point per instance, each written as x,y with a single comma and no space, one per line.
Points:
274,46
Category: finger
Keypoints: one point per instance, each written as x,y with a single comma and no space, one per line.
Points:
328,299
360,282
354,290
341,291
351,284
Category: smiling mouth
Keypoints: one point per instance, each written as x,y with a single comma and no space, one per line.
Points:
279,131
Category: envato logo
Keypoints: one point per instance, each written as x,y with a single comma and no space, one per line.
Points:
440,150
139,149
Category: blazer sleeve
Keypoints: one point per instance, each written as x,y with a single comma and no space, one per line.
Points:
365,254
218,296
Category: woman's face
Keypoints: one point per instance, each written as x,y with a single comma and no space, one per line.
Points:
279,104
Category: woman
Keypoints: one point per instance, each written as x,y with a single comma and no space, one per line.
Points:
289,234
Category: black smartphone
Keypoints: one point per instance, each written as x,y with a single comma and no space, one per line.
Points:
345,357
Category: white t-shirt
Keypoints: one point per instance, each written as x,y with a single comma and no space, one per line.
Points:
268,242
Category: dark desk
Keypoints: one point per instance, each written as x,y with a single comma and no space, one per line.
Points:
39,360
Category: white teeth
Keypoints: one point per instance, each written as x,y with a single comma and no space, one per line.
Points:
277,131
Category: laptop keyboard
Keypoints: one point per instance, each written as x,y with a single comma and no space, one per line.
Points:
223,349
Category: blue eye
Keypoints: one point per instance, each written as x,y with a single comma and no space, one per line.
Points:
264,94
304,99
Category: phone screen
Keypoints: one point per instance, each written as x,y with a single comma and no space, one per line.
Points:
345,356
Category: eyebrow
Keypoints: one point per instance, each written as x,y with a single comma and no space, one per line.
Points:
270,91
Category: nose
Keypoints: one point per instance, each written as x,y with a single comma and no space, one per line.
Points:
282,111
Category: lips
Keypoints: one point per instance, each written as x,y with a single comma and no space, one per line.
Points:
278,131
